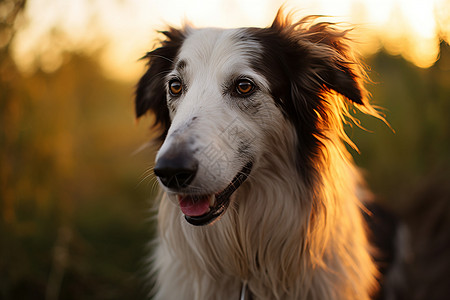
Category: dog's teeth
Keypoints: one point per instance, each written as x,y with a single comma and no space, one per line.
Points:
212,200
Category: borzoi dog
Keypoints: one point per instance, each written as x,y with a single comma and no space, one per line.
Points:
261,198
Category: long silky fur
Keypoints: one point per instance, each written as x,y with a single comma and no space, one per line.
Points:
289,233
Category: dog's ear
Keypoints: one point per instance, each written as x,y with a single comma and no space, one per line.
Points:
307,62
150,93
336,66
326,60
344,81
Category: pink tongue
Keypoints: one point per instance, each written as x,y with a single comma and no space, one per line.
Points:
194,206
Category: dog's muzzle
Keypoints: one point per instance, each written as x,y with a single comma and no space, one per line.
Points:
176,170
222,199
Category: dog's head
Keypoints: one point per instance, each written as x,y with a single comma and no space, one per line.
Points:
218,94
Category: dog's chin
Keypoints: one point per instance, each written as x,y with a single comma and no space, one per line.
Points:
200,210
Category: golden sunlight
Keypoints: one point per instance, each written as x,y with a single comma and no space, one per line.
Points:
122,31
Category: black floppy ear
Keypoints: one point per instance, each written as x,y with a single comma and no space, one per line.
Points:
346,82
150,90
333,61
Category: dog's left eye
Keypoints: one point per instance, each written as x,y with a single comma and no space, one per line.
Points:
244,87
175,87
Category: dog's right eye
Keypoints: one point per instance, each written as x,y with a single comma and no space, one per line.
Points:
244,87
175,87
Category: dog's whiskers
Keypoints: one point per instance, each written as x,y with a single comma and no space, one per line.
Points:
148,173
151,54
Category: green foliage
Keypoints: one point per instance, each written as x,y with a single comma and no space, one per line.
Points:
74,218
416,103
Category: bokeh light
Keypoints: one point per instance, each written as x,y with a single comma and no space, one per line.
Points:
122,31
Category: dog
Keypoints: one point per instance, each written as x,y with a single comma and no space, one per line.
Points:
261,199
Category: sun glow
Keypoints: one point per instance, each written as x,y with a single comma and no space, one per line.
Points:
122,31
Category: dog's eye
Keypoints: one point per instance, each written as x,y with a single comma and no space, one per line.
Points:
244,87
175,87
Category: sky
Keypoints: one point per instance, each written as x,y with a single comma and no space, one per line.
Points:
122,31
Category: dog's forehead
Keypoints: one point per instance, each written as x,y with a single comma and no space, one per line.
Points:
216,47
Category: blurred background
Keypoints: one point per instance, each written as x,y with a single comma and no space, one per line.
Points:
75,198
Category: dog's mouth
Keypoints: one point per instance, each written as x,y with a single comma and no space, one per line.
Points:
202,210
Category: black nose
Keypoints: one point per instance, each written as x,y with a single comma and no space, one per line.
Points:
176,170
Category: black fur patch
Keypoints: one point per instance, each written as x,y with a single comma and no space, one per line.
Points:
150,91
299,82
